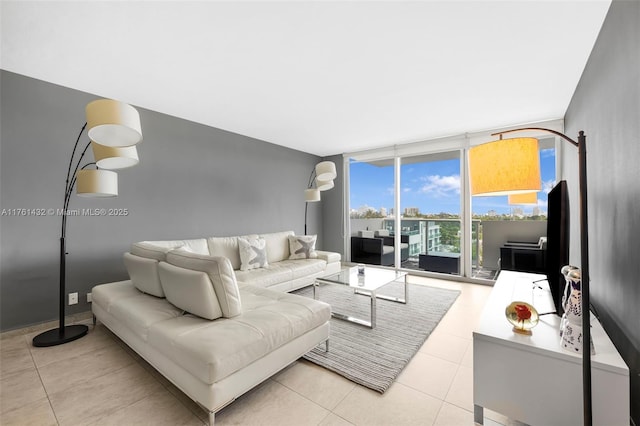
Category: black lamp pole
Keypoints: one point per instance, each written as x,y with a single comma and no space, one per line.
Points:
581,144
306,203
64,334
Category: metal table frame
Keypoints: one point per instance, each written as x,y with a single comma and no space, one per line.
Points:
370,292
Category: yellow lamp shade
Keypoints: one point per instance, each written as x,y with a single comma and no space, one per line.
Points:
311,195
528,198
112,158
97,183
326,170
506,166
323,185
113,123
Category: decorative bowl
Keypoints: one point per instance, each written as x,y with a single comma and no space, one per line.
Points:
522,316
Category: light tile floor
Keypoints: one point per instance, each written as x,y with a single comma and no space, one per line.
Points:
98,380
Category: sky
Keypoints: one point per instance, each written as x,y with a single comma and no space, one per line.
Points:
434,187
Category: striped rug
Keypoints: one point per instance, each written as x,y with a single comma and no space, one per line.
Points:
375,357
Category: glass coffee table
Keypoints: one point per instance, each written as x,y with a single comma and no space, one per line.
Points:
366,284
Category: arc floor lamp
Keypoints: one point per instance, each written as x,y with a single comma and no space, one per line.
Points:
114,129
505,156
322,176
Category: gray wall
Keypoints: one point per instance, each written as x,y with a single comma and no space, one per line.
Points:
192,181
332,211
606,105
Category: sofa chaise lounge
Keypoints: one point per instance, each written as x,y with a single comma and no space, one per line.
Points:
212,335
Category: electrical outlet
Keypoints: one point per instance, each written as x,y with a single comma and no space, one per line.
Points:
88,297
73,298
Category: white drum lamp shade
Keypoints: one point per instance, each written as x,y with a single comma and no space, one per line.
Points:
506,166
323,185
326,170
113,158
311,195
97,183
113,123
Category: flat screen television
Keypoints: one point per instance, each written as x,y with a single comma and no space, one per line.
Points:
557,254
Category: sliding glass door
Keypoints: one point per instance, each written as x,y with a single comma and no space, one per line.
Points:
371,201
430,210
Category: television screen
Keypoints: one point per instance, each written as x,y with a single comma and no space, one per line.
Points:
557,254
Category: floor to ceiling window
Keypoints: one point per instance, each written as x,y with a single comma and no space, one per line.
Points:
430,211
503,219
413,202
371,200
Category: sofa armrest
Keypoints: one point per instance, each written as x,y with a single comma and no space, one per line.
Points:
329,256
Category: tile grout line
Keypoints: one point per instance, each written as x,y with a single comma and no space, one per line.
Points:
330,411
55,416
62,390
448,390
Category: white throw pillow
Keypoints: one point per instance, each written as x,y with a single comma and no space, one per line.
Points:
303,246
253,253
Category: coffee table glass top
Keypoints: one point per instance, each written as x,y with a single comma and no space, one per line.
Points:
372,279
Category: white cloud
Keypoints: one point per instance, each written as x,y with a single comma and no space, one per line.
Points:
548,185
546,153
441,185
406,190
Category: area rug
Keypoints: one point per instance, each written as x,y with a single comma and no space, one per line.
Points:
375,357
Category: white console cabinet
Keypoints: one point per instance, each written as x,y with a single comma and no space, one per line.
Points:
533,380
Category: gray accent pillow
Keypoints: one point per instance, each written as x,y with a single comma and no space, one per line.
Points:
253,253
303,246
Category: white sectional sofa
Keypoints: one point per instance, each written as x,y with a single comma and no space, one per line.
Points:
211,328
282,273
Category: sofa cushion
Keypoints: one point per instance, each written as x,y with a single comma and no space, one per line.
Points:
221,276
302,246
265,277
305,267
269,320
381,233
225,247
141,311
106,294
148,250
253,253
159,249
143,273
190,291
277,245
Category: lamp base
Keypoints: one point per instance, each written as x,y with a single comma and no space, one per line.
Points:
59,336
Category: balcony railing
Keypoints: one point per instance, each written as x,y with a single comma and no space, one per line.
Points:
433,236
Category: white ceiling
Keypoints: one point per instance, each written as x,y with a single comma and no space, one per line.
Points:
321,77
